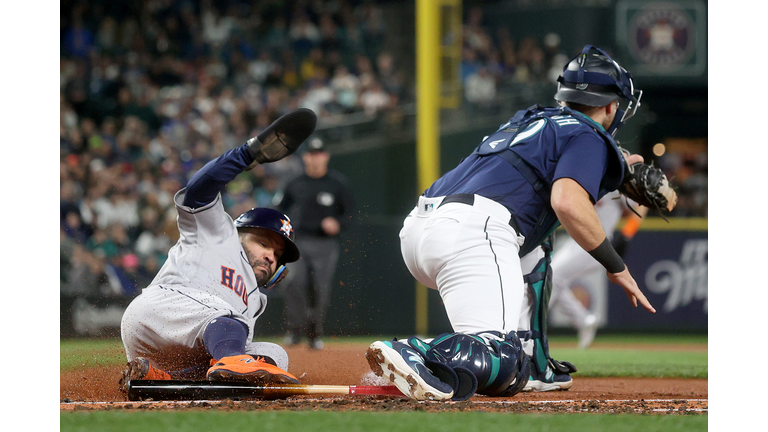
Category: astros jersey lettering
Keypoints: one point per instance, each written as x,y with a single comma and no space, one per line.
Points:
208,257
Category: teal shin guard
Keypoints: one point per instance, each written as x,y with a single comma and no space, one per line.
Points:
539,283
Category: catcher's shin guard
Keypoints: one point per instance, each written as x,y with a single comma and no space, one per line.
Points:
498,363
539,283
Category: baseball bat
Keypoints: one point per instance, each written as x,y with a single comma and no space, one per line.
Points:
211,390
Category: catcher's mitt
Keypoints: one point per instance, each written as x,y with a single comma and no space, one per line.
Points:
648,186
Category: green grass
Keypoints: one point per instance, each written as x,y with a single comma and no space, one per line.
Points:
76,353
667,356
635,363
319,421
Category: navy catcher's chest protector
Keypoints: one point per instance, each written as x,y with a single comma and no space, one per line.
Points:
518,142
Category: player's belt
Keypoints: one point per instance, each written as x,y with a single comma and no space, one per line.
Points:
469,199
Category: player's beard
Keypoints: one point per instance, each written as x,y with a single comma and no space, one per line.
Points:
261,269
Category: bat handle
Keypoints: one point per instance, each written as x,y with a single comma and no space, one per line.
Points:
375,390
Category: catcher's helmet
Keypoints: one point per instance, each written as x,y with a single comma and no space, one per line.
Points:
593,78
274,221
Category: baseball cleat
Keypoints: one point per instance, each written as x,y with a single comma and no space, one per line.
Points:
547,381
245,368
587,331
404,367
140,368
282,137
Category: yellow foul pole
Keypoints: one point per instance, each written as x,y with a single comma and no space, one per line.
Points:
427,117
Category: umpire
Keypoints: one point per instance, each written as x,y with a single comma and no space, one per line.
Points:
322,207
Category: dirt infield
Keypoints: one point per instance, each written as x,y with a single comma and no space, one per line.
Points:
96,388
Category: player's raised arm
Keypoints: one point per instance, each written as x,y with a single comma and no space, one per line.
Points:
277,141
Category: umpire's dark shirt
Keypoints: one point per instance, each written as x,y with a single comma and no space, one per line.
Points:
307,201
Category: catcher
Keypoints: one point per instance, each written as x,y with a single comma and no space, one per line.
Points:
481,236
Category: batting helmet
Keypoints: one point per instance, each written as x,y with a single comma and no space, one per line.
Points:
274,221
593,78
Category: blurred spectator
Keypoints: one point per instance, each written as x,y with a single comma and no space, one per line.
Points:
216,28
370,17
480,88
688,173
68,203
267,194
318,97
285,170
78,40
149,238
303,35
374,99
66,251
122,275
530,62
100,241
476,35
391,79
86,275
330,35
261,67
495,66
469,63
73,227
277,35
311,65
346,87
364,70
554,56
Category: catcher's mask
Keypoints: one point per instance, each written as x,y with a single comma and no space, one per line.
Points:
279,223
593,78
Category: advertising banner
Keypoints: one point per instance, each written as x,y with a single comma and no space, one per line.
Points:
670,267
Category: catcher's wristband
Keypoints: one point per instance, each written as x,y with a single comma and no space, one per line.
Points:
606,255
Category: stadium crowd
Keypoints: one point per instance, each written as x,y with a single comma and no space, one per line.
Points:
150,90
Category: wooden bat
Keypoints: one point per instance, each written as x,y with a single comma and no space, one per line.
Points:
211,390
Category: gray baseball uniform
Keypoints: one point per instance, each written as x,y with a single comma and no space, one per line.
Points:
206,276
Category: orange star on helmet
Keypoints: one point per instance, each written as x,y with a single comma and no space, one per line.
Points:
286,228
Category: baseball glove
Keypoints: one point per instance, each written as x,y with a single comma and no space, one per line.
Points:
647,185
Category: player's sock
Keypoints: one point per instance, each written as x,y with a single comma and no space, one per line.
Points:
225,337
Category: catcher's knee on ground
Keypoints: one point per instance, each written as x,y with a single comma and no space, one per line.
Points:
498,362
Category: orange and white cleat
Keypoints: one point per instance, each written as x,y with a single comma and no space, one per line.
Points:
141,368
245,368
